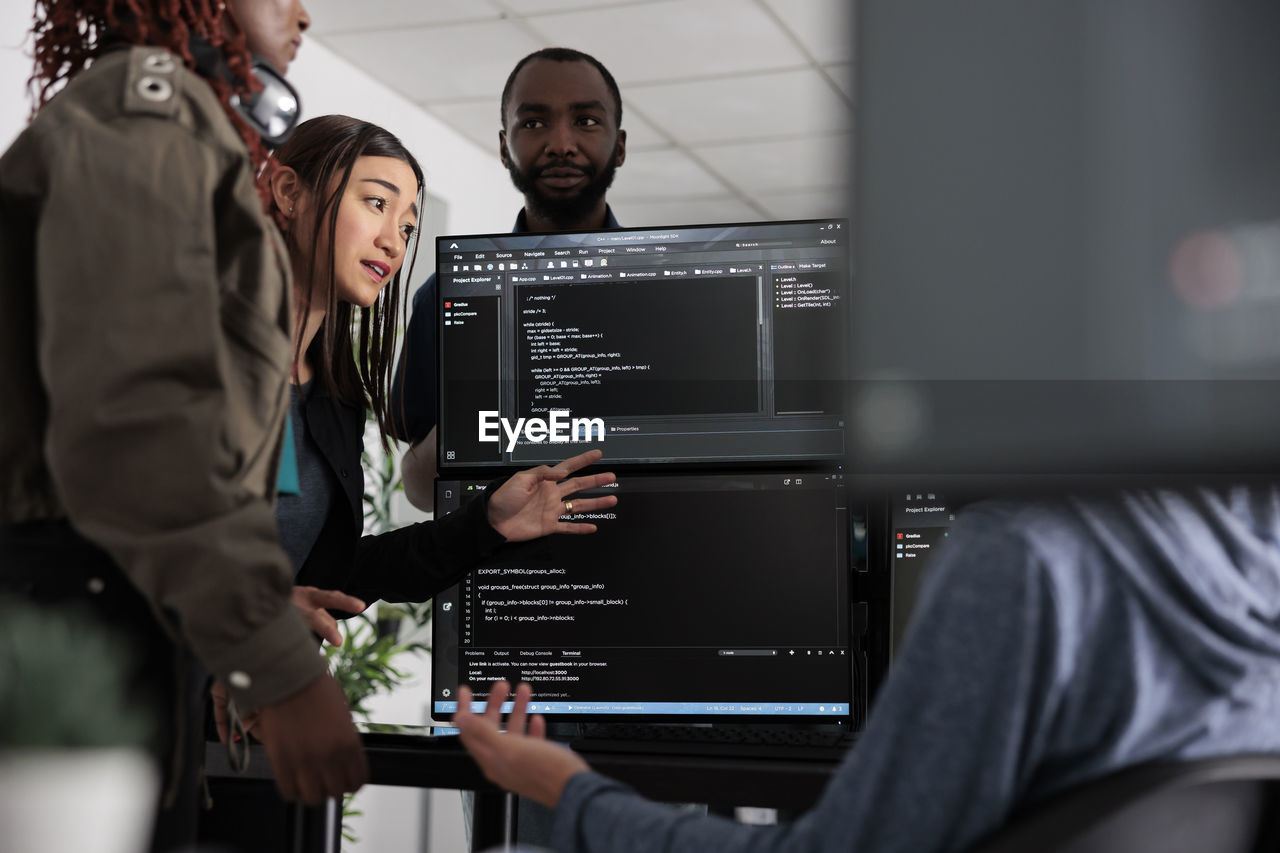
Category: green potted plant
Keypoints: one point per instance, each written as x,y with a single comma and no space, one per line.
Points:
74,773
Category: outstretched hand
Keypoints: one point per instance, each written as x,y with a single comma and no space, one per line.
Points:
527,764
314,605
532,502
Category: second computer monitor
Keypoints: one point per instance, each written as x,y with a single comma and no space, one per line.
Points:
700,598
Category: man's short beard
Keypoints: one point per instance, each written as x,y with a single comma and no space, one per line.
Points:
569,211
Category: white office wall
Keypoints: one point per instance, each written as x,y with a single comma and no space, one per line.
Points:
15,68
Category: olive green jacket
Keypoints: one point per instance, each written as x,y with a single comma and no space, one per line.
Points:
144,347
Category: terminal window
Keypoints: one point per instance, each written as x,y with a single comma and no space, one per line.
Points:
738,607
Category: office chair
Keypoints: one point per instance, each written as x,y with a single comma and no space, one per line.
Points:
1220,805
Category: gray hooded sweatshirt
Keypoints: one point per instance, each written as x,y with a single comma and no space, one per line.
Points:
1054,642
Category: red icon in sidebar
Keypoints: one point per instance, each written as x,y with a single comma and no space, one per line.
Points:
899,535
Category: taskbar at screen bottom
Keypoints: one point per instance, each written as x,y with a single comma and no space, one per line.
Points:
709,709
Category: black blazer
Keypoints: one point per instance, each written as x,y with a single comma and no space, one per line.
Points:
409,564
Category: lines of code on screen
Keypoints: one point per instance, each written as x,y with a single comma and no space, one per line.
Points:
651,348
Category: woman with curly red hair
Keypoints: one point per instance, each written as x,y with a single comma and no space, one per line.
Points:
145,335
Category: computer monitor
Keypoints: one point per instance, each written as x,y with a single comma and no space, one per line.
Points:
1065,218
703,597
700,344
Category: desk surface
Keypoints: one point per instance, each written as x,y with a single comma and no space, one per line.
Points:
430,762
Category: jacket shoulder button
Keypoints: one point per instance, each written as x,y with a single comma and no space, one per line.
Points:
155,89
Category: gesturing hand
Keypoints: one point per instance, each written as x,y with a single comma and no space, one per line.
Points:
315,604
527,764
531,503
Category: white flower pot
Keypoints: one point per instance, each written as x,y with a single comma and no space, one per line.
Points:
77,800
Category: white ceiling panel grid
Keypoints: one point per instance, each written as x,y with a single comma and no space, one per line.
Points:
774,167
691,211
449,62
641,133
808,204
661,175
823,27
529,8
675,40
735,109
842,74
330,17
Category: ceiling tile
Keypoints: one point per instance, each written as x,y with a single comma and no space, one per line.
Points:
337,16
450,62
824,27
673,39
663,175
789,164
808,204
476,120
696,211
842,73
542,7
780,103
721,82
641,133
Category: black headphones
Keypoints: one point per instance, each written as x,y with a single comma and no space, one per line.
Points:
273,111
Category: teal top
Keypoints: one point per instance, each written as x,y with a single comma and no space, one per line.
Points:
287,479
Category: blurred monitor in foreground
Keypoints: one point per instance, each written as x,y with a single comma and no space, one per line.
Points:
1067,238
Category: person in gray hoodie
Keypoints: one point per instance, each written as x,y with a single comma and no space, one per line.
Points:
1055,642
